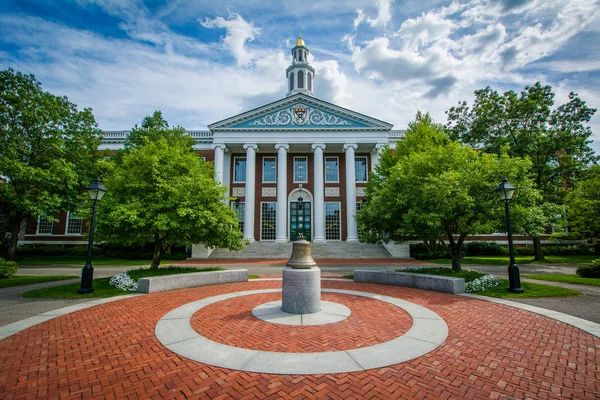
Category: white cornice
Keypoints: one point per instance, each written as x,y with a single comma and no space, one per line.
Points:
225,125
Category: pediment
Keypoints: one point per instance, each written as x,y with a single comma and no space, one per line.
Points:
300,112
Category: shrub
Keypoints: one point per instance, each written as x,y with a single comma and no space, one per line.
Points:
590,271
524,251
55,250
141,252
7,268
434,255
485,249
570,250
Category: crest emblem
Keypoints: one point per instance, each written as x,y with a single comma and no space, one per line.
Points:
300,114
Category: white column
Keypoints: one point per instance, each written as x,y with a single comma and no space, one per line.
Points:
251,149
377,149
319,203
352,228
281,225
220,150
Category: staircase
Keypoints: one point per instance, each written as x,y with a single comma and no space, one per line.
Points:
283,251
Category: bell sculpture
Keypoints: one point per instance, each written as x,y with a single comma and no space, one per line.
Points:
301,291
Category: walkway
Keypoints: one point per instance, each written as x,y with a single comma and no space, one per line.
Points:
491,351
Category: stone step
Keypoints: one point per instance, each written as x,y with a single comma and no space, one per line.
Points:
329,250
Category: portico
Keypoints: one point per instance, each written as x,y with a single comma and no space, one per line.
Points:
298,165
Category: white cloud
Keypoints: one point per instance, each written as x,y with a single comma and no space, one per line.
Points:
360,16
330,83
384,14
536,41
238,32
123,80
425,29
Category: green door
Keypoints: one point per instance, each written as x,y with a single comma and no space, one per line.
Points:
300,221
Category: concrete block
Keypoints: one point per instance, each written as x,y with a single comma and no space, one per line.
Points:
194,279
200,252
301,290
443,284
398,250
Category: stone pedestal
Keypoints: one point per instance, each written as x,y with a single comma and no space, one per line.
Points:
301,292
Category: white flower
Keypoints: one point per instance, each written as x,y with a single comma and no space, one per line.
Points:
124,282
483,283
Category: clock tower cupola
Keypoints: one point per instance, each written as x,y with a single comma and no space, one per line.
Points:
300,75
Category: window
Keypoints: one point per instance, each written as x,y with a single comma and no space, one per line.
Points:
269,169
44,225
300,80
333,225
74,224
300,169
239,172
239,207
291,81
360,169
268,221
309,81
332,173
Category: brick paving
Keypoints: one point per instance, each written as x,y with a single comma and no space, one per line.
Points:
109,351
371,322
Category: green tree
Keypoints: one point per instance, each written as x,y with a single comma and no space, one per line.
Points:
152,128
556,140
48,152
439,190
583,207
163,193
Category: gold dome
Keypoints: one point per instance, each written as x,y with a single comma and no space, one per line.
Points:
299,42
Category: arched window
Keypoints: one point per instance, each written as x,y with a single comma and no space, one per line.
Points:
309,81
300,80
291,81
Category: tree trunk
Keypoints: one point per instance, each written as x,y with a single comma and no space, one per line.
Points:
160,245
11,254
456,252
537,250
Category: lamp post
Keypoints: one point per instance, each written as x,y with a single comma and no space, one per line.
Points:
506,191
96,192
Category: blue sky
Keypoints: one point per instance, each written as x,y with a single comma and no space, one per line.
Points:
203,61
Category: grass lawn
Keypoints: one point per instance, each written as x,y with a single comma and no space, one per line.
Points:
504,260
78,260
575,279
530,290
103,289
19,280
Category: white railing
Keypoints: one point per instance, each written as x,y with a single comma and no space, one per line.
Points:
397,134
200,134
115,134
122,135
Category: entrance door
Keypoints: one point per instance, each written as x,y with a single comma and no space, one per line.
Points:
300,221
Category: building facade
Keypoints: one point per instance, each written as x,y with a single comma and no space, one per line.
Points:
296,167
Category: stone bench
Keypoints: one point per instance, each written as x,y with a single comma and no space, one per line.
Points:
436,283
194,279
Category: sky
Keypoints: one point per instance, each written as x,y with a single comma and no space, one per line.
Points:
200,61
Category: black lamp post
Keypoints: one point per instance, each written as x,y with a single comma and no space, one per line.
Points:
96,192
506,191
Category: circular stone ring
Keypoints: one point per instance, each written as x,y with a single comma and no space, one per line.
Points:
427,333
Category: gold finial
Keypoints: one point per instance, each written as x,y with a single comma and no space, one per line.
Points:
300,42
